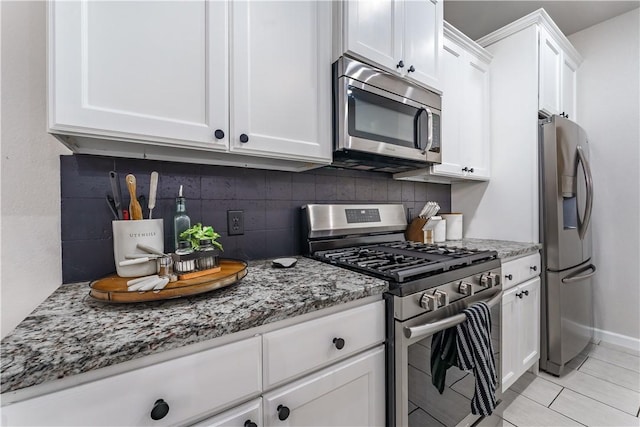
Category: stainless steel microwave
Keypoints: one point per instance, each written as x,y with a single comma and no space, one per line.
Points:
381,121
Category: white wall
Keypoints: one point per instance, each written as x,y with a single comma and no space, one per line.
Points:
609,110
31,254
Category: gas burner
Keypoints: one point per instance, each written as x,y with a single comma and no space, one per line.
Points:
403,261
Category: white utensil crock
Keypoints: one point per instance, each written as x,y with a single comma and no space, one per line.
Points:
126,236
454,225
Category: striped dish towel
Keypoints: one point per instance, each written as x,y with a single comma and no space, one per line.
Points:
475,353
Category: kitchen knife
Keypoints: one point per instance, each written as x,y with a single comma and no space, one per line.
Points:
135,210
112,206
153,189
117,192
149,249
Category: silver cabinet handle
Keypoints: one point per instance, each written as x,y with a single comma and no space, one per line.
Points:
573,278
584,224
432,328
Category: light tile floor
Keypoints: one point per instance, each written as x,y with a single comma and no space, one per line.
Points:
601,388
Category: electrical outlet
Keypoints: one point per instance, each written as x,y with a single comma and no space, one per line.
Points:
235,223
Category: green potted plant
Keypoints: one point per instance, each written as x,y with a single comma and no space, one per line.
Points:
198,232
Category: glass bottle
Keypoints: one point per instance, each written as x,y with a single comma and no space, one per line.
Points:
181,220
207,255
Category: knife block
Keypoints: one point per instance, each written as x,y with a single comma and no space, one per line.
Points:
414,230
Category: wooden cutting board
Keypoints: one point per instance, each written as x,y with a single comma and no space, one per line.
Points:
114,288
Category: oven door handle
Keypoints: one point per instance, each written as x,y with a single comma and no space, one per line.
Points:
432,328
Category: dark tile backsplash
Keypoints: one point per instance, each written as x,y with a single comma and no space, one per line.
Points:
270,200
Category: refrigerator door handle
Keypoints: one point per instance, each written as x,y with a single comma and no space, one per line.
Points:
584,224
573,278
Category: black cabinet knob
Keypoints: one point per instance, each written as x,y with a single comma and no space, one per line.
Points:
244,138
470,170
509,276
283,412
250,423
400,65
526,293
519,295
219,134
339,343
534,268
411,69
465,169
160,410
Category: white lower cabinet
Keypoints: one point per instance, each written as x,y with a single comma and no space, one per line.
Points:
340,382
520,330
168,393
350,393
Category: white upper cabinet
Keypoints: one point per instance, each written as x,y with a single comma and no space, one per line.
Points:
568,73
183,81
281,82
404,36
422,46
123,68
550,69
557,92
466,140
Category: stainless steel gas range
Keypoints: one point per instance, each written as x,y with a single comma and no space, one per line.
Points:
429,286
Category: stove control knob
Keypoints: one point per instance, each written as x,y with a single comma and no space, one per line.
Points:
465,288
496,279
429,302
442,297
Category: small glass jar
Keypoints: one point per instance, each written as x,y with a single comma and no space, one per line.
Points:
184,259
207,255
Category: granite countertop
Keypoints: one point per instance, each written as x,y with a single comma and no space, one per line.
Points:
505,248
71,333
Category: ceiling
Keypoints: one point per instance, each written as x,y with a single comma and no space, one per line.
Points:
478,18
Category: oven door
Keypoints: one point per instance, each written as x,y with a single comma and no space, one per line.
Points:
417,401
374,121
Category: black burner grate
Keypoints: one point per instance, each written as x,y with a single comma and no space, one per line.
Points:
404,261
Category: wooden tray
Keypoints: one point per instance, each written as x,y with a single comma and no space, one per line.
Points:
114,288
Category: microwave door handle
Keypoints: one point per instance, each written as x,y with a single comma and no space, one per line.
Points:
429,130
584,224
432,328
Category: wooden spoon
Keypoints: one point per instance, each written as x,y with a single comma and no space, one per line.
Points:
135,210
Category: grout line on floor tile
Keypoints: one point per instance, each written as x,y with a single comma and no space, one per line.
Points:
557,412
554,399
606,380
596,400
585,359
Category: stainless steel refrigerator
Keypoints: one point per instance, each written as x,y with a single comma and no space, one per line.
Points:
566,201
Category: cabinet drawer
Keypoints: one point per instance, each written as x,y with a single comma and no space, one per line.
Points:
191,386
240,416
306,346
520,270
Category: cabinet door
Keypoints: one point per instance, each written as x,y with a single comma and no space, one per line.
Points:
281,79
509,339
373,31
569,70
474,123
240,416
549,78
422,42
153,70
350,393
452,107
528,324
